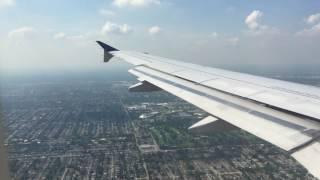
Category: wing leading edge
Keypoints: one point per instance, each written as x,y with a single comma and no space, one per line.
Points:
282,113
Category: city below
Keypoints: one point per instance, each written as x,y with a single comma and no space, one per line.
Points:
98,130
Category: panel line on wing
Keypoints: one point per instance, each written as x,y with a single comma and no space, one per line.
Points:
304,145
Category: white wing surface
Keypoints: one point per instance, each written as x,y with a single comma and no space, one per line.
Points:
283,113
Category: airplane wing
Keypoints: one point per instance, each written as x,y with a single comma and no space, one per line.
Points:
283,113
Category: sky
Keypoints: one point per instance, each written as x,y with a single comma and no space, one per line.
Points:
56,35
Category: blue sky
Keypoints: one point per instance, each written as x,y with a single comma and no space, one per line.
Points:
60,34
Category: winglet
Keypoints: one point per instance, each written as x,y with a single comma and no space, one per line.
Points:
107,49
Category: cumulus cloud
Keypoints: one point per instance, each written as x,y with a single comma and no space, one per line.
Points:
106,12
253,18
135,3
314,21
60,35
110,27
314,18
7,3
22,32
154,30
255,27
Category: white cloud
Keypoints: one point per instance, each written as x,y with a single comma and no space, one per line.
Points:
135,3
314,30
60,35
7,3
106,12
22,32
314,18
233,41
253,18
254,25
110,27
154,30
